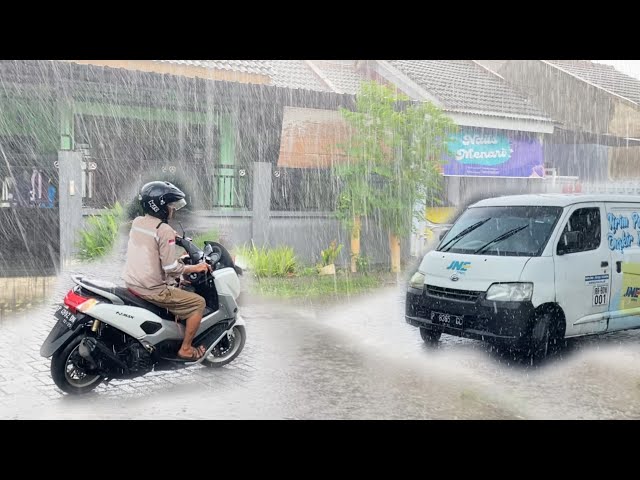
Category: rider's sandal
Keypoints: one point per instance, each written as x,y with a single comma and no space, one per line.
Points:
195,355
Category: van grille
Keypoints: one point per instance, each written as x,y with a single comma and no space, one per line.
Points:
452,294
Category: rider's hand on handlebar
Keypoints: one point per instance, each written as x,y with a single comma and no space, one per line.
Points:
201,267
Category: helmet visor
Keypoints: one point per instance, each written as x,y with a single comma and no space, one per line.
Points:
178,204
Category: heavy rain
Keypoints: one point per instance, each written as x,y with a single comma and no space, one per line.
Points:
397,239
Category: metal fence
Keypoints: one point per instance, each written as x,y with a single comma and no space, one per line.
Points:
232,187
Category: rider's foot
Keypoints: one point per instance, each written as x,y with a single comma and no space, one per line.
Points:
192,353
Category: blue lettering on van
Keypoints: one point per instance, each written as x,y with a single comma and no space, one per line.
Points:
616,223
620,243
459,266
632,292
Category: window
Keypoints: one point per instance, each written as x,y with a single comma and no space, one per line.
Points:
518,231
586,221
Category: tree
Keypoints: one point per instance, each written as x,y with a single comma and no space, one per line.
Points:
394,162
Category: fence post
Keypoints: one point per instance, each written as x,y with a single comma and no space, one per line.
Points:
261,203
70,203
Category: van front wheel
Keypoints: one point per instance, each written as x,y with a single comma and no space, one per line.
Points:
430,337
543,337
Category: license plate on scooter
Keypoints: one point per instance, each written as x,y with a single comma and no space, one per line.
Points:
65,317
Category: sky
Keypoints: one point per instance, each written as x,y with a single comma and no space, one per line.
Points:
630,67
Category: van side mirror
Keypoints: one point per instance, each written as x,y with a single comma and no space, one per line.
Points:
571,242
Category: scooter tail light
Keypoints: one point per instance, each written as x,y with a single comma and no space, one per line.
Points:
88,305
73,300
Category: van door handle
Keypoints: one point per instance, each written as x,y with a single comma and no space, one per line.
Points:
604,264
619,266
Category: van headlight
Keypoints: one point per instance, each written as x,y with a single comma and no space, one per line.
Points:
417,281
510,292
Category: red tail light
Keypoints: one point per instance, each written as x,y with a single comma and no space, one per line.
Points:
73,300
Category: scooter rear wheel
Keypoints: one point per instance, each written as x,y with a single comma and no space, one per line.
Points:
68,370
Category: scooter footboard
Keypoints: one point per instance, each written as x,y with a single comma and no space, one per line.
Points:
208,338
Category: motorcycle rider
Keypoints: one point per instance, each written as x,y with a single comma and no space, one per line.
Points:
151,261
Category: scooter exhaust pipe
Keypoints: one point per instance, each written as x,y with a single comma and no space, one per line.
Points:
85,352
90,348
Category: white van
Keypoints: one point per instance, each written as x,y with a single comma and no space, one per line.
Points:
531,270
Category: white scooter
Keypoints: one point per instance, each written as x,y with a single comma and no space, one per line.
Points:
105,331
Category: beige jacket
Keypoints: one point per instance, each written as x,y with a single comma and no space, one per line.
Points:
151,256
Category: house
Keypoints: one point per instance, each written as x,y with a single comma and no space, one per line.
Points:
495,119
598,113
102,131
208,124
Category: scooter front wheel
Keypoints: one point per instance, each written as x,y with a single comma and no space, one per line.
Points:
228,348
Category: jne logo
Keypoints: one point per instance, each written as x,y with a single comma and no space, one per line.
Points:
459,266
633,292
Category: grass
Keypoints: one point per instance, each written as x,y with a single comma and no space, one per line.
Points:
99,235
199,238
320,285
278,273
212,235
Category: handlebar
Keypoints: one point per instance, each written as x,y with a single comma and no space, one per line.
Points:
213,253
191,248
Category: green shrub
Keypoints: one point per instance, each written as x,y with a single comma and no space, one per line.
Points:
100,233
330,254
270,262
308,271
362,264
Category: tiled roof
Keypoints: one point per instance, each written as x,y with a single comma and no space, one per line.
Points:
493,65
296,74
465,85
604,76
246,66
342,74
291,73
458,84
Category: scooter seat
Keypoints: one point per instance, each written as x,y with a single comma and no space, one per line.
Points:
108,289
130,299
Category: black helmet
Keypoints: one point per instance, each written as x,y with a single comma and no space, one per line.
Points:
156,197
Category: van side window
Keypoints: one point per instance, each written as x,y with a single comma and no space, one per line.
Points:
586,221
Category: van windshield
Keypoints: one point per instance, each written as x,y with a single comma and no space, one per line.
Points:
506,231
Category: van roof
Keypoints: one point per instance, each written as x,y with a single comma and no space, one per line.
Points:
554,199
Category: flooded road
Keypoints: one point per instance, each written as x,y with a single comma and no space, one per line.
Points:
352,358
594,377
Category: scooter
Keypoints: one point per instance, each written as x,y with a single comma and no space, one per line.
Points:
106,332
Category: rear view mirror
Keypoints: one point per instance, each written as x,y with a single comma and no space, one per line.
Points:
571,242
